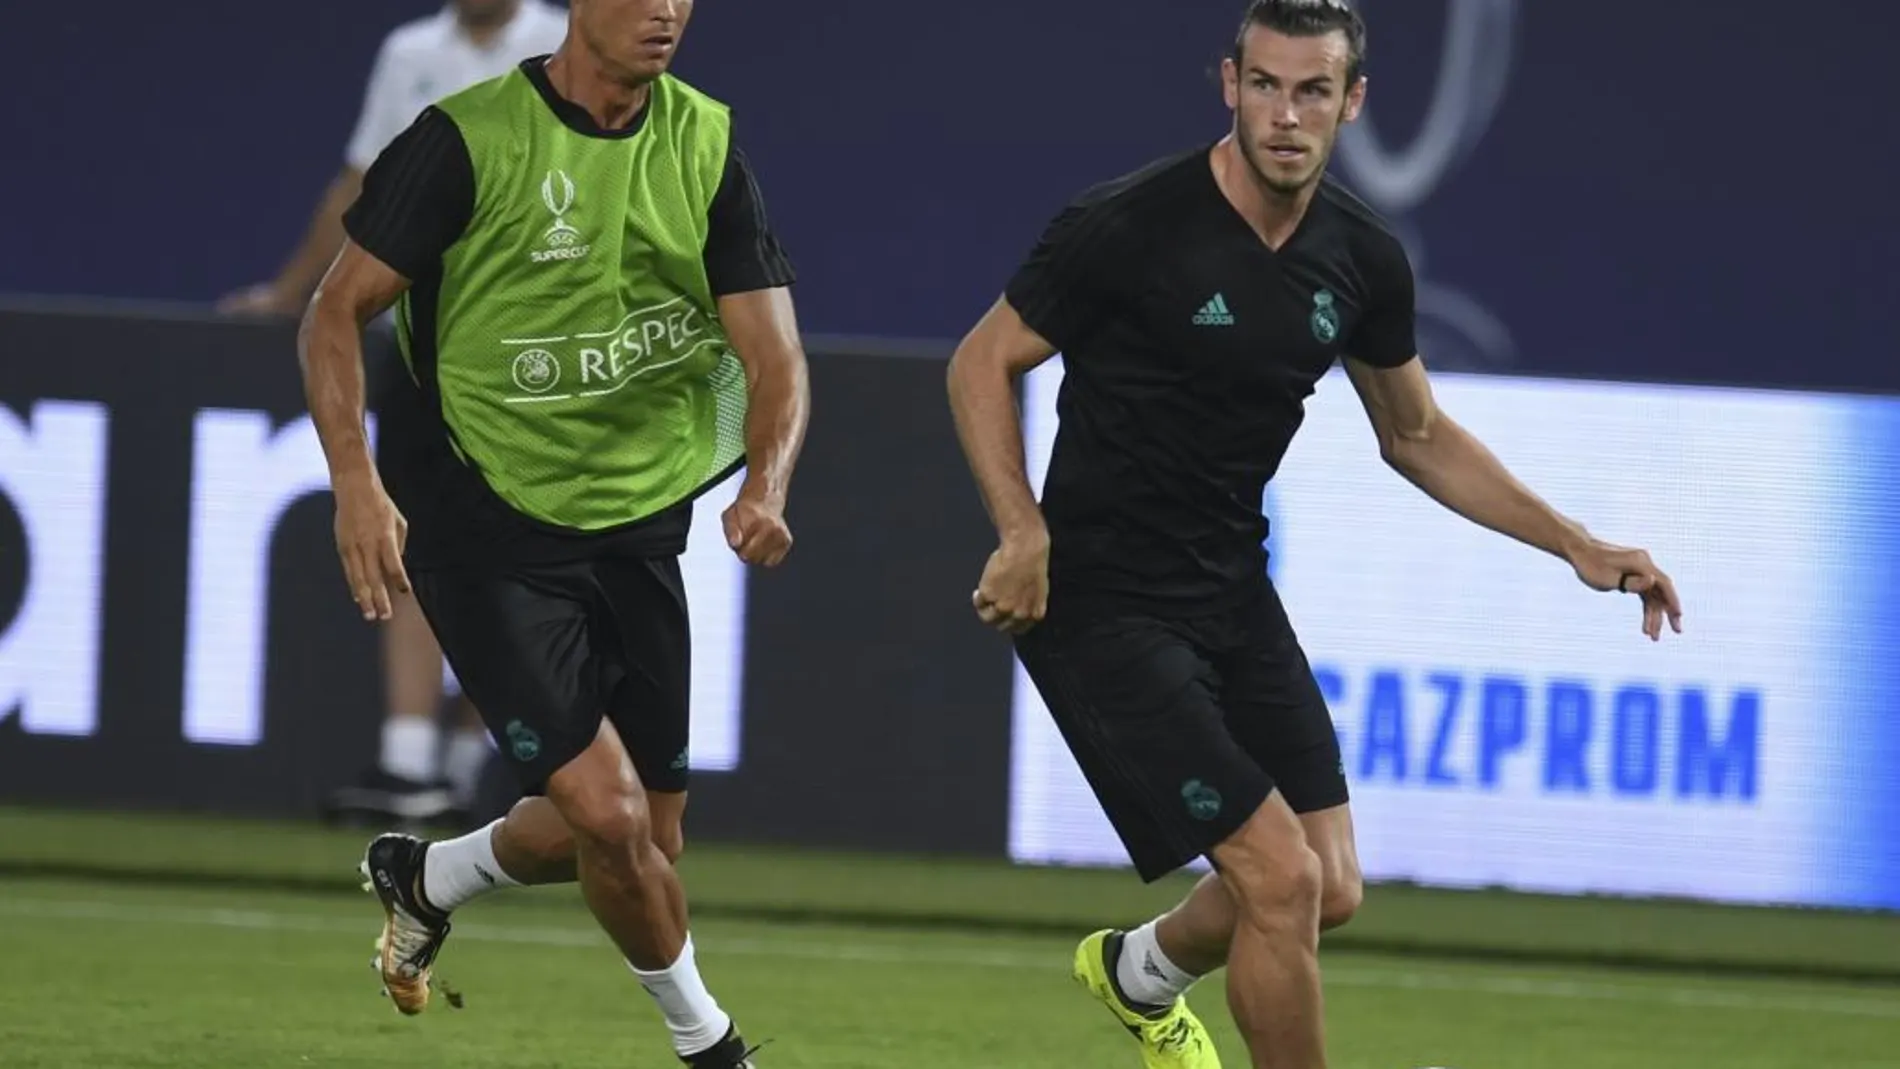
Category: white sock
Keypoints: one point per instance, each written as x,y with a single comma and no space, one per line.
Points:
696,1021
409,747
457,871
469,750
1145,974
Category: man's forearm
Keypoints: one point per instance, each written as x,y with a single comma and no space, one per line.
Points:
776,417
330,353
1457,471
983,402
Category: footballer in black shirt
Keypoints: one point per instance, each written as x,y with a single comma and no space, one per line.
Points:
1196,302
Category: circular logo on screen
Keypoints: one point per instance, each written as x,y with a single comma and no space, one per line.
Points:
537,371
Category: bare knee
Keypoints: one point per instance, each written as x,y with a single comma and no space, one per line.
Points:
610,820
1276,880
1340,897
671,841
669,814
602,802
1276,888
1329,833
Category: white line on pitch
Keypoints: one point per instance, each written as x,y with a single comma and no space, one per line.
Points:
1348,976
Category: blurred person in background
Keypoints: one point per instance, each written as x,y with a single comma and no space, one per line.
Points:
416,777
1196,303
598,317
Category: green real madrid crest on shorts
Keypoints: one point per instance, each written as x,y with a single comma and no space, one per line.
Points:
581,364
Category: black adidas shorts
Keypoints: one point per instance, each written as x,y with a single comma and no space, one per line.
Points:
1184,727
544,651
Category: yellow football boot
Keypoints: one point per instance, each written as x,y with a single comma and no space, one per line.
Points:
1174,1040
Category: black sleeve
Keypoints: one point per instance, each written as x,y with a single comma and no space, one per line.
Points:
417,197
1067,283
742,254
1387,336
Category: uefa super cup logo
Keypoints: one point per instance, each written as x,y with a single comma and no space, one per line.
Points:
1474,66
561,241
557,192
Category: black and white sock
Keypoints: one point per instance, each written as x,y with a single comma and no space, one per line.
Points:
457,871
692,1014
1144,973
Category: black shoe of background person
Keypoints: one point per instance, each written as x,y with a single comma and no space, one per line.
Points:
379,797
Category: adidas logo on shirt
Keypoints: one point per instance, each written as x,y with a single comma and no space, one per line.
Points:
1214,314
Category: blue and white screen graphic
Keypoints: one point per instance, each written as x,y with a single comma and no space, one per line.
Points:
247,471
1503,725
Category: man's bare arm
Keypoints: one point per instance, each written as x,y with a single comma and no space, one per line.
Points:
763,328
1013,594
370,532
357,288
998,351
1451,465
1446,461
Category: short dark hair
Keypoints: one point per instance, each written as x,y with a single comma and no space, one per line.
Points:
1308,18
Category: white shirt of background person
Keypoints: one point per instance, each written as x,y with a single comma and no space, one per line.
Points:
469,41
420,62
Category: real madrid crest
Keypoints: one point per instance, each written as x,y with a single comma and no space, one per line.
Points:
1325,318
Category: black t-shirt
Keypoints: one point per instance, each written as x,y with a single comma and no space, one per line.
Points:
418,197
1189,347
